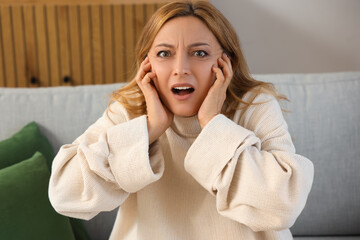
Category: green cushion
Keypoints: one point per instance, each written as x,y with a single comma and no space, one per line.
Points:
25,210
23,145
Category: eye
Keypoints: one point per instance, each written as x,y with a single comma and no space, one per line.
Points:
163,54
200,53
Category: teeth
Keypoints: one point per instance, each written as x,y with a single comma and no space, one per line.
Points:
182,88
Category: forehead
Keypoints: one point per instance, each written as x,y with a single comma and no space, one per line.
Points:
187,29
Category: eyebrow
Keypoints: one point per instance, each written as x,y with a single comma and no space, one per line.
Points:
191,45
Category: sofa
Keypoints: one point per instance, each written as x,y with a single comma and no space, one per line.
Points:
323,115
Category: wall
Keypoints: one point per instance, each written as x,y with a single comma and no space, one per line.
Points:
69,44
298,36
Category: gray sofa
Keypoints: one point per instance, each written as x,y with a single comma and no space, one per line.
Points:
323,118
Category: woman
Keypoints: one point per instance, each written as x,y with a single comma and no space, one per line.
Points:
192,147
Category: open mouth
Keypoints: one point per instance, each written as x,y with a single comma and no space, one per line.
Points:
182,90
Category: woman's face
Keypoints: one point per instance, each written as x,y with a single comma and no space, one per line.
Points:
182,56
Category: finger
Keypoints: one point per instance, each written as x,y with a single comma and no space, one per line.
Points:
145,66
220,79
143,71
225,64
227,59
145,61
146,81
227,71
218,73
147,87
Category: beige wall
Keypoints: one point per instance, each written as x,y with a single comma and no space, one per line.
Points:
296,36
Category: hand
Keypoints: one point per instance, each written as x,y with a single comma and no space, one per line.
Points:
216,96
159,117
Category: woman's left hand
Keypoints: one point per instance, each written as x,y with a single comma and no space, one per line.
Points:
216,96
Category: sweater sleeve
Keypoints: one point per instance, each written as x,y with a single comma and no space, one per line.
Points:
252,170
99,170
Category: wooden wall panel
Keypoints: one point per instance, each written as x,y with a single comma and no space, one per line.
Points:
2,67
97,45
108,44
42,45
64,42
139,20
19,38
53,41
8,47
86,51
119,42
58,45
74,31
32,70
79,2
129,39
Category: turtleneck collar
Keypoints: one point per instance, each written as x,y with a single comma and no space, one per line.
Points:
186,126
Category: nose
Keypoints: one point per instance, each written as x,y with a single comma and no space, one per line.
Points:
182,65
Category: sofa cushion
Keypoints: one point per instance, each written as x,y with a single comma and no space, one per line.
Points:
23,144
325,125
26,212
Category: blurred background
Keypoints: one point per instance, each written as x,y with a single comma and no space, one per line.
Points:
298,36
80,42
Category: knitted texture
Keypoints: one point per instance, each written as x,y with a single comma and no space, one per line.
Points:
236,178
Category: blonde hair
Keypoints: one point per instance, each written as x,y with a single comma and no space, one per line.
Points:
131,96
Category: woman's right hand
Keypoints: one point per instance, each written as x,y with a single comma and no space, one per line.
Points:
159,117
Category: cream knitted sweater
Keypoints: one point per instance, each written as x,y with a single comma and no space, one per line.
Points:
233,179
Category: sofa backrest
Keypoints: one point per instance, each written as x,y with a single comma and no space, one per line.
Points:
63,113
324,122
325,125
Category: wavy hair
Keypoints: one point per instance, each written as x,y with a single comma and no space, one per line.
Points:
131,97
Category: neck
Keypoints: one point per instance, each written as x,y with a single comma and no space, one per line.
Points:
186,126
